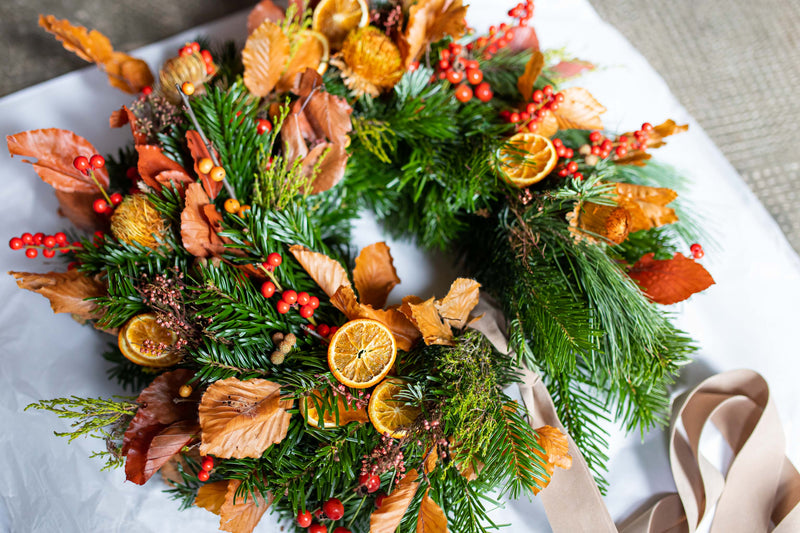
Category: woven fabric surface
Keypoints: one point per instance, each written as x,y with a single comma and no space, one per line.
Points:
735,66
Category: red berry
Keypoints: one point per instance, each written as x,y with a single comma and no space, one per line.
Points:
561,151
568,153
208,464
27,238
289,296
306,311
49,241
455,76
621,151
303,298
185,51
31,253
563,172
49,253
474,76
195,46
38,238
559,98
341,529
97,161
413,66
207,57
324,330
513,117
116,198
623,139
697,251
267,289
558,143
699,254
333,509
455,49
379,500
99,206
572,167
647,126
578,176
264,126
16,243
492,49
607,145
81,163
147,90
334,329
313,302
463,93
203,475
547,90
596,150
304,518
444,64
484,92
282,307
553,106
370,482
318,528
595,136
274,259
537,96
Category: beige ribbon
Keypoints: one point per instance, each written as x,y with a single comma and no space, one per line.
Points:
762,487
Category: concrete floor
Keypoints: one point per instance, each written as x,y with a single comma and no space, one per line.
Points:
734,64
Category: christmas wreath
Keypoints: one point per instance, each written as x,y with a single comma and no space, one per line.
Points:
266,368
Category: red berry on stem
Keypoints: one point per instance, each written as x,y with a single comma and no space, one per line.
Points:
304,518
313,302
267,289
195,46
595,136
537,96
444,64
324,330
49,253
303,298
81,163
16,243
306,311
27,238
30,253
463,93
274,259
208,464
97,161
147,90
334,329
578,176
333,509
38,238
282,307
561,151
116,198
289,296
455,76
317,528
49,241
484,92
647,126
513,117
568,153
264,126
99,206
203,475
558,143
207,57
621,151
370,482
697,251
547,90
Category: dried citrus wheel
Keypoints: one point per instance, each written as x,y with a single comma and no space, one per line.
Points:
336,18
389,413
143,341
346,412
526,158
361,353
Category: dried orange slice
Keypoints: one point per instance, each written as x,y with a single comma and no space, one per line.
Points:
361,353
526,159
346,412
336,18
143,341
389,413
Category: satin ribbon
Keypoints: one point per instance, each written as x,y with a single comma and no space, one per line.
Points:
761,489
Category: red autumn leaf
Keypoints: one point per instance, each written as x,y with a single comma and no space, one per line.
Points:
264,10
525,38
67,291
374,274
672,280
572,68
240,515
123,116
200,151
54,150
198,233
394,506
152,162
165,445
140,433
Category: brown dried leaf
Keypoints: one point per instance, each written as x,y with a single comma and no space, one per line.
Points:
152,162
405,332
264,10
91,46
328,273
127,73
211,496
670,281
430,21
461,299
67,291
242,514
665,129
170,473
647,205
78,208
308,55
579,110
54,150
344,299
199,151
124,116
429,323
329,170
374,274
609,222
197,233
242,418
532,70
160,398
327,114
140,433
572,68
556,445
387,518
264,58
549,125
431,459
165,445
431,517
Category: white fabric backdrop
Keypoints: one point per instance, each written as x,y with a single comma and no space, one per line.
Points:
745,320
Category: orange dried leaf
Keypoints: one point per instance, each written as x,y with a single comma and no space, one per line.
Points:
579,110
211,496
327,114
78,208
264,10
344,299
264,58
54,150
594,221
431,459
67,291
549,125
326,169
124,116
152,162
374,274
431,517
308,54
405,332
328,273
532,70
647,205
461,299
430,21
242,514
199,151
127,73
197,233
672,280
394,506
427,319
166,444
242,418
91,46
556,445
665,129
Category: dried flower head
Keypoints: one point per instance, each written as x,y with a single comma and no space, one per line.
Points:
370,62
137,220
178,70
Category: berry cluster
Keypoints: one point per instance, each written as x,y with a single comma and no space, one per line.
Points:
522,12
87,165
48,244
602,146
332,509
194,48
289,298
542,102
456,67
697,251
206,467
566,168
323,330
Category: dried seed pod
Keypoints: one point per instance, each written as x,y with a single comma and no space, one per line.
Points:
285,347
178,70
291,339
277,337
277,357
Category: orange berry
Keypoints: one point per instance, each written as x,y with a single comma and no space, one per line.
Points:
205,165
187,88
217,174
232,205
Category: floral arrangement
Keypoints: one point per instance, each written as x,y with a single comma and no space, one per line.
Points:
268,371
